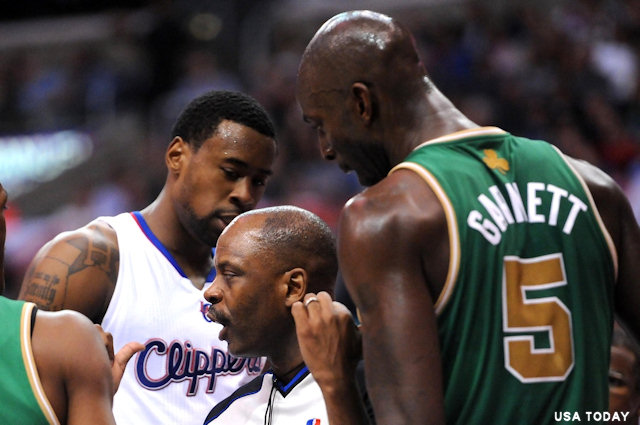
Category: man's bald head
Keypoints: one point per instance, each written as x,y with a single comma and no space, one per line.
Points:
362,86
362,46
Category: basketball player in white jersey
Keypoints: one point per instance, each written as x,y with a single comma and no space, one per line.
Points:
142,274
54,368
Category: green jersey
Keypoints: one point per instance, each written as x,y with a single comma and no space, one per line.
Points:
526,313
22,397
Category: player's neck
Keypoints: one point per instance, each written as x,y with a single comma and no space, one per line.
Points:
193,256
436,116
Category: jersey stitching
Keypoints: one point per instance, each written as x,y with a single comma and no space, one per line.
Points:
463,134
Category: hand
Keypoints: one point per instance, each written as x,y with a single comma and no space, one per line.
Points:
328,338
119,360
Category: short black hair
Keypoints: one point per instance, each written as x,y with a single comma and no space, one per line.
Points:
201,117
294,237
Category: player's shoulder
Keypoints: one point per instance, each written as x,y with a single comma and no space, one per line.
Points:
64,333
596,179
67,319
69,349
611,201
97,231
400,204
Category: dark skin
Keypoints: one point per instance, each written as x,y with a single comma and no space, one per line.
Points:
258,287
252,297
74,367
205,189
382,108
78,376
624,396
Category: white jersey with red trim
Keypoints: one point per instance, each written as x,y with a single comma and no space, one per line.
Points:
184,369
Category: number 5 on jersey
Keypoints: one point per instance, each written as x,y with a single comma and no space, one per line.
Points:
526,314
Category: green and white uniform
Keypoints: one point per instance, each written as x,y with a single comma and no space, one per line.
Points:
22,398
526,313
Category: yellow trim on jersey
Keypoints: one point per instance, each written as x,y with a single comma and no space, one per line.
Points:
462,134
30,365
596,213
452,225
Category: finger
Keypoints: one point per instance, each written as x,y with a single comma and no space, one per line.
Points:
338,307
324,295
126,352
299,313
342,310
309,299
121,359
325,302
301,321
309,295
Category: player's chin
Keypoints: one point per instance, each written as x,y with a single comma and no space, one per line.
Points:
211,234
239,347
236,349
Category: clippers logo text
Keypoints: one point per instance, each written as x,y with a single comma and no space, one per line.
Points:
181,361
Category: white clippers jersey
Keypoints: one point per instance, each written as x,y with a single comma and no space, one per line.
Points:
185,369
299,402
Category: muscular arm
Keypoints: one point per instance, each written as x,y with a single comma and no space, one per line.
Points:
618,217
74,368
77,270
381,244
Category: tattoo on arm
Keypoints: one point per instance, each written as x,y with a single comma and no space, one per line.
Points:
42,288
99,252
96,253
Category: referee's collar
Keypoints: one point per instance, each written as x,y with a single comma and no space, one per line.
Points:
285,388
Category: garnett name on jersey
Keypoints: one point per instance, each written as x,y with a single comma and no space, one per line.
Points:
544,203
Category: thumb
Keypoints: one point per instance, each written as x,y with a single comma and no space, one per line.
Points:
123,356
121,359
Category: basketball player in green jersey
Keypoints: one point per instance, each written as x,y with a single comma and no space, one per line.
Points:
486,267
54,368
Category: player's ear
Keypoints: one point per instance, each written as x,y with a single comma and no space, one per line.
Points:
176,154
296,281
362,101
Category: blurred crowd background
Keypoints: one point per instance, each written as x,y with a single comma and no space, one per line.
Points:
89,92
